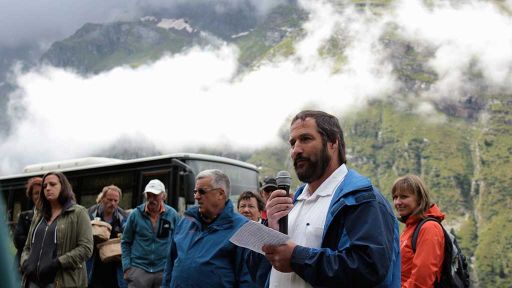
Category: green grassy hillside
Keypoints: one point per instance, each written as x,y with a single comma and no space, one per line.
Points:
494,196
466,165
278,29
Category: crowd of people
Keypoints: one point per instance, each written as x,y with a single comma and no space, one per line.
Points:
343,232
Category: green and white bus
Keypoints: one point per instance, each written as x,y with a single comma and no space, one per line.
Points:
89,175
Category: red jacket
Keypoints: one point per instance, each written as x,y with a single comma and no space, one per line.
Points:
422,268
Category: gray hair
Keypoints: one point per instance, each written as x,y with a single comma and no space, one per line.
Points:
219,179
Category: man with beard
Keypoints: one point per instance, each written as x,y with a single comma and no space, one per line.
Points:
343,231
201,254
107,209
146,238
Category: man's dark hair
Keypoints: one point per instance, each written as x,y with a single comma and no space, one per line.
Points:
66,194
247,195
328,126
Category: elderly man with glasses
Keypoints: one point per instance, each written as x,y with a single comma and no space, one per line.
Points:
201,254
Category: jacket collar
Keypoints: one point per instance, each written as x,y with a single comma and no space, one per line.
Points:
433,212
327,187
97,211
353,181
68,206
223,221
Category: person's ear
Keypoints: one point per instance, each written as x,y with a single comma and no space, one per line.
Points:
222,193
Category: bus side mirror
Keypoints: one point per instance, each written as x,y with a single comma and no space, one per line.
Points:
189,184
189,180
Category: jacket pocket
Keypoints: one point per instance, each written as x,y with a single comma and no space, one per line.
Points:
164,227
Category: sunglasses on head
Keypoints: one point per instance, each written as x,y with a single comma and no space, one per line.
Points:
203,191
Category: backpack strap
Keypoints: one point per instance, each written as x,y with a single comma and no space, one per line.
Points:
417,231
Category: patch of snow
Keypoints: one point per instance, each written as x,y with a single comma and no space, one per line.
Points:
240,34
148,19
178,24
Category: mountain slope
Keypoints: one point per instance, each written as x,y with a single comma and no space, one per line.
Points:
99,47
467,174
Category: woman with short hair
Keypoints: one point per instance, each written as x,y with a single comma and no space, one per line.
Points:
251,205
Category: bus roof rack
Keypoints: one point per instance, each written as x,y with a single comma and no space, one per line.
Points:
71,163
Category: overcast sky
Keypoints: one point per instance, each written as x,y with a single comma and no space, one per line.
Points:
28,22
191,99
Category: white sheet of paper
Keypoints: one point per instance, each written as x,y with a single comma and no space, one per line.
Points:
253,235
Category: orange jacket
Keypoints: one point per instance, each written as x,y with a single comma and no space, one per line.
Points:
422,268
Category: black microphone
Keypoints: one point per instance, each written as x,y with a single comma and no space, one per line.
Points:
284,181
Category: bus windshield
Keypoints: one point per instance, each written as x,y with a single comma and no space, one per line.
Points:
242,179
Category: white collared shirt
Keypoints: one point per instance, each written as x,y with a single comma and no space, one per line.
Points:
306,223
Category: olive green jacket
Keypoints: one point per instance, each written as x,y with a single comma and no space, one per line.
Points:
74,245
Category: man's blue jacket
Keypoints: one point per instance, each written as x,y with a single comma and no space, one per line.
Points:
360,244
203,256
141,245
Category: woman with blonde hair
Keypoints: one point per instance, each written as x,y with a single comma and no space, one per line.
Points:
411,198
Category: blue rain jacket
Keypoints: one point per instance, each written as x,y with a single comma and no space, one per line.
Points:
203,256
141,245
360,245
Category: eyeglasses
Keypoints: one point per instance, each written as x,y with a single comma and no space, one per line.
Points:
203,191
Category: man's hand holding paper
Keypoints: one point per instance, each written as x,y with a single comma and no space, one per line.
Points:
253,235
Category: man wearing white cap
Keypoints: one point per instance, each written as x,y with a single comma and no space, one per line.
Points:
146,237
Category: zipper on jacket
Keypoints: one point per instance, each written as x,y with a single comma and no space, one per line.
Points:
41,252
153,242
34,232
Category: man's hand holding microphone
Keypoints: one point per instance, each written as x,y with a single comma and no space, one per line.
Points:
278,206
280,203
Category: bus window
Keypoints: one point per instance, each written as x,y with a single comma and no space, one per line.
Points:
19,201
242,179
87,188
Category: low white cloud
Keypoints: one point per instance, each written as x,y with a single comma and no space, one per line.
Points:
195,99
191,99
476,33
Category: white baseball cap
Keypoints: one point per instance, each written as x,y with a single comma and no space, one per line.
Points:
155,186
